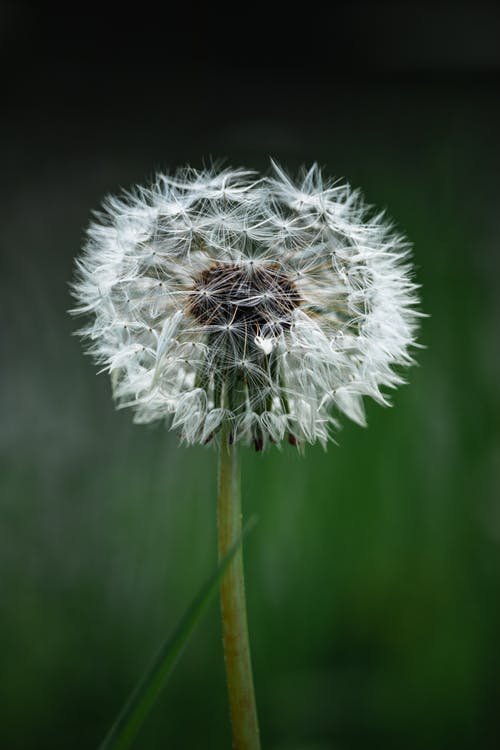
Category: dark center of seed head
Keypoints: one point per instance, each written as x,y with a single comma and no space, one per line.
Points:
250,296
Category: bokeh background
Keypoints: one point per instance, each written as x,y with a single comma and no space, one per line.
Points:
374,574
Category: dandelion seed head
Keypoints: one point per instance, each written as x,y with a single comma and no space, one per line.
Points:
269,303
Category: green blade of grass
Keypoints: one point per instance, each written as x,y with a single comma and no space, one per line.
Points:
129,720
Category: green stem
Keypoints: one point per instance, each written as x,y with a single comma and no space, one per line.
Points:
234,618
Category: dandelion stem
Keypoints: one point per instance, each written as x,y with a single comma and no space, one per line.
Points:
234,618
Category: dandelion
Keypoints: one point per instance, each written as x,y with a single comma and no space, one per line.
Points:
246,309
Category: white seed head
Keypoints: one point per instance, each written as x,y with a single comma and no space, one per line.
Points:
266,303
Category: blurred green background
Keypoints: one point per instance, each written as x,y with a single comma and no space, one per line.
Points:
373,577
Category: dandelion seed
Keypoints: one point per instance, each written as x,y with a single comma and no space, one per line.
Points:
254,309
268,301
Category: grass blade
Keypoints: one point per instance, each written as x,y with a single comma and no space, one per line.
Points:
129,720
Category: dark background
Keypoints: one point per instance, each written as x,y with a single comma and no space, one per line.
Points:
374,573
